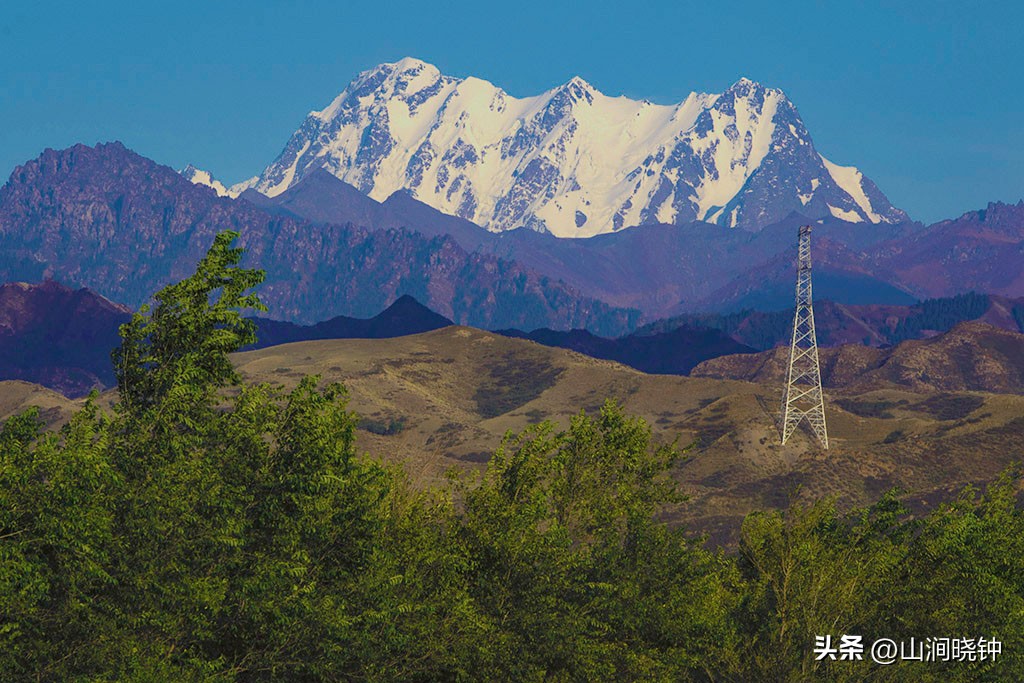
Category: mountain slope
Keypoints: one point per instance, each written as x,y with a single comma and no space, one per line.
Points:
447,398
973,356
664,269
981,251
61,338
205,178
660,269
115,221
573,161
871,325
17,396
58,337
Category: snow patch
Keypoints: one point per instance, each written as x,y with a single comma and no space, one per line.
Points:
848,216
205,178
286,181
239,188
849,180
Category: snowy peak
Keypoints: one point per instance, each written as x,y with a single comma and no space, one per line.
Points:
745,86
404,80
728,143
205,178
572,161
578,90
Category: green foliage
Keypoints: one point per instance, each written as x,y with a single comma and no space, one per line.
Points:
212,530
56,538
183,344
939,314
384,427
811,573
878,573
573,577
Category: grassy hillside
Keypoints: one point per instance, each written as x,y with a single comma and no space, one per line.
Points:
445,399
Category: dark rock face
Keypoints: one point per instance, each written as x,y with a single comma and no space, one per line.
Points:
115,221
58,337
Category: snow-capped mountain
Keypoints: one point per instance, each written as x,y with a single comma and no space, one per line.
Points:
573,161
201,177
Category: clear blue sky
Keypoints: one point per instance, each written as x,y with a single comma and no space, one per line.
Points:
925,97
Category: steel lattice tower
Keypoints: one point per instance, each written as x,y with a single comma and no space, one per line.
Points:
802,397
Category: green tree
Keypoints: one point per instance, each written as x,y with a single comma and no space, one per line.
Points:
210,529
813,572
573,577
182,346
246,514
56,539
963,576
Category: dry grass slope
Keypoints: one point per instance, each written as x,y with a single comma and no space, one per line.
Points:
447,397
17,396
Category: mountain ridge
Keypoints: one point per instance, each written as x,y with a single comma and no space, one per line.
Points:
572,161
403,317
675,352
868,325
125,226
660,269
61,338
667,270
